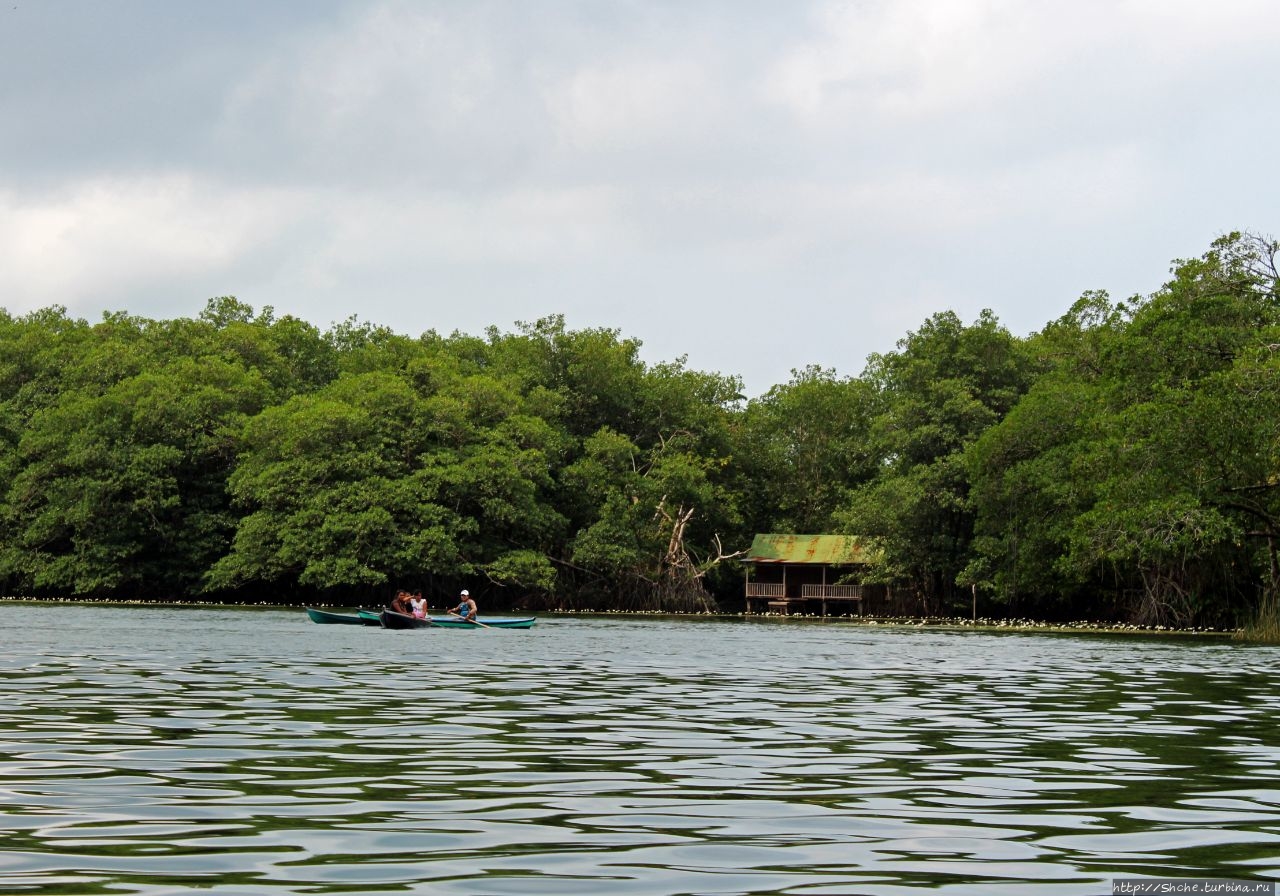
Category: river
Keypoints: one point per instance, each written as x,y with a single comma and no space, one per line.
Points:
161,751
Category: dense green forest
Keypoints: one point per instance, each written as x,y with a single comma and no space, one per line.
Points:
1121,463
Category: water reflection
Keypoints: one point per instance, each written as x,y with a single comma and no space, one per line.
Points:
168,751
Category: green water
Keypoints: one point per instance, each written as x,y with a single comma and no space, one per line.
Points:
174,751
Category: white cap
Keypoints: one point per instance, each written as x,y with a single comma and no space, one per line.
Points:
466,593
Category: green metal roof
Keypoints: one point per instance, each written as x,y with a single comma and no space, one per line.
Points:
833,550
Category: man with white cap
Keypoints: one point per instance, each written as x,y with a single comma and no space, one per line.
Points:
466,609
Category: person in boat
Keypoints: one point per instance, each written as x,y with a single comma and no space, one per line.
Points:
418,605
466,608
400,603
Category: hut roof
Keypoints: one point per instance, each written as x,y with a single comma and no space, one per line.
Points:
833,550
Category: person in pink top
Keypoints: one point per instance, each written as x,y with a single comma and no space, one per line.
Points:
418,604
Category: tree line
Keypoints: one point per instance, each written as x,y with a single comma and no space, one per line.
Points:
1120,463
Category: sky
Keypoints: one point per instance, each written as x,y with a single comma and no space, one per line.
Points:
756,187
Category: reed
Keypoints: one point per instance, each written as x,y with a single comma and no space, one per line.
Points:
1265,625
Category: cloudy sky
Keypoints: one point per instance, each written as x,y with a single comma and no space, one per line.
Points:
758,186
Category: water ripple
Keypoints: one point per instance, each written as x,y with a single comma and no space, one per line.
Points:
159,752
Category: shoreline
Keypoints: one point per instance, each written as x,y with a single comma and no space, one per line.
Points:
982,624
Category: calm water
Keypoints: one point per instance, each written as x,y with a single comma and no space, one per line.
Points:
167,751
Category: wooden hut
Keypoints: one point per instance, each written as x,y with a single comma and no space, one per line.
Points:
799,573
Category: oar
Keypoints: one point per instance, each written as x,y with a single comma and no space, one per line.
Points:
465,619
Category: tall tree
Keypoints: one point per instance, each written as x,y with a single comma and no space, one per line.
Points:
117,484
1143,464
370,481
803,446
1036,471
945,386
1180,494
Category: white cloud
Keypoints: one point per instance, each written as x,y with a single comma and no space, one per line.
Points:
523,226
107,236
638,164
1176,33
634,103
905,59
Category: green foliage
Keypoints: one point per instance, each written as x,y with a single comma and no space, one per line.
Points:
1144,460
365,483
803,446
523,569
1123,461
119,484
947,385
1035,473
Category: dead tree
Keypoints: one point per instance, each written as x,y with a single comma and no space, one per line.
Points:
679,585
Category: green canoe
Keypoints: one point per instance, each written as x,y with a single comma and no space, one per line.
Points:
326,618
392,619
490,621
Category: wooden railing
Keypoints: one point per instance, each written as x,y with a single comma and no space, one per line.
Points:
832,592
778,601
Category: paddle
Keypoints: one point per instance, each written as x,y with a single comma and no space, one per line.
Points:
465,619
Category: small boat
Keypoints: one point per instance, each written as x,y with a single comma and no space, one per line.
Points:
488,621
392,619
369,617
326,618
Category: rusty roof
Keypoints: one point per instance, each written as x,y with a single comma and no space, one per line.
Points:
833,550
